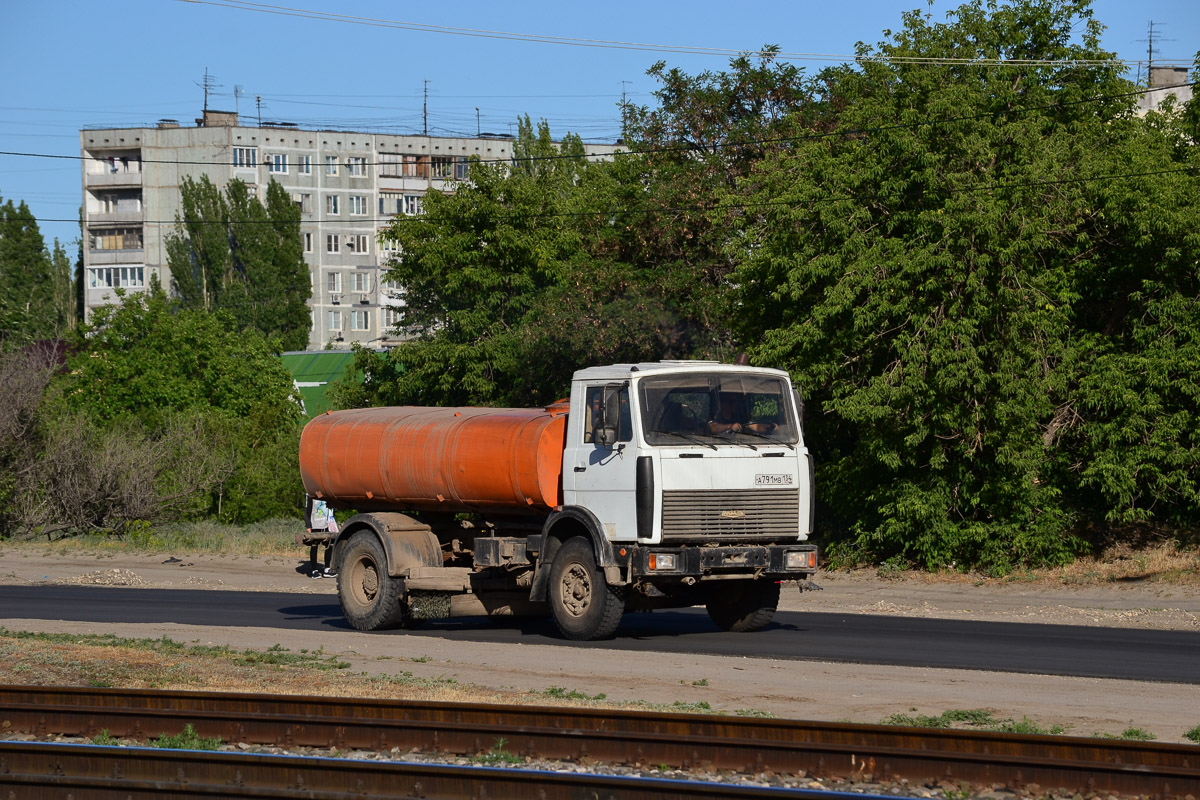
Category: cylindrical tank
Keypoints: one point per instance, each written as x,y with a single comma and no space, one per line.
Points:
505,460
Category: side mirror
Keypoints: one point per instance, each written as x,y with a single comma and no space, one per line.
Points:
609,432
799,397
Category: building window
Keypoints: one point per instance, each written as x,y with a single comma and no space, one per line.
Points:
304,201
443,167
357,243
116,277
360,320
245,156
331,165
278,164
120,202
462,168
334,282
335,320
389,248
360,282
358,204
331,204
115,239
333,243
390,202
306,165
389,318
356,166
412,204
308,237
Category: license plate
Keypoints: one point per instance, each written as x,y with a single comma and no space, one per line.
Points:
772,480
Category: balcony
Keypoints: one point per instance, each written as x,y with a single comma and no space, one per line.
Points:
113,179
96,258
129,217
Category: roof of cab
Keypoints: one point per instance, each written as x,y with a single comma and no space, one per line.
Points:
620,372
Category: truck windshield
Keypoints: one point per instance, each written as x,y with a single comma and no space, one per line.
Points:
716,408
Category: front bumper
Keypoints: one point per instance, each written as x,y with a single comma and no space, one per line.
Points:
779,561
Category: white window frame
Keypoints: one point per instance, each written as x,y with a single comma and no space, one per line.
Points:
356,167
333,243
332,205
335,319
360,320
331,165
308,241
305,165
357,243
333,282
246,157
360,282
277,164
414,204
358,205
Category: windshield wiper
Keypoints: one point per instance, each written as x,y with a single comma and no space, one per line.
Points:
687,436
767,436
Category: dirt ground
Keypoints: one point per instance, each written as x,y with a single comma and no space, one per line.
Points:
803,690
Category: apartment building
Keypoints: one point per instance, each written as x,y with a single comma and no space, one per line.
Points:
349,186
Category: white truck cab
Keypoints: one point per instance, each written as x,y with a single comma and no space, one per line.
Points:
688,453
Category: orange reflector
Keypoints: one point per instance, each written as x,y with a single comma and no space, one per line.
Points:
651,561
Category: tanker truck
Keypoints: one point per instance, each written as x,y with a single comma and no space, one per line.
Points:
656,485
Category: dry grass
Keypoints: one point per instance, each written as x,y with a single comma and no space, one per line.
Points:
1162,562
106,661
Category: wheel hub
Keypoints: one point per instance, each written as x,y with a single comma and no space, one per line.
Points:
576,590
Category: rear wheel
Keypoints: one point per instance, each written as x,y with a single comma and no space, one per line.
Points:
584,606
744,606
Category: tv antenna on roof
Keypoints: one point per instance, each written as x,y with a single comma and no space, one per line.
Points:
210,85
1150,39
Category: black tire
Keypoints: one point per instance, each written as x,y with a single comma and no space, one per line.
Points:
744,606
370,598
582,603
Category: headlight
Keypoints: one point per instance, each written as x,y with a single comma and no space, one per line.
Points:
661,561
800,559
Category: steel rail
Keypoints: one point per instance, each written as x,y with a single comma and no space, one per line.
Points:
818,749
40,770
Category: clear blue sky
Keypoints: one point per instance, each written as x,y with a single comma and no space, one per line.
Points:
77,63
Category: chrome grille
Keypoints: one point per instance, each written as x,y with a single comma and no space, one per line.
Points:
731,515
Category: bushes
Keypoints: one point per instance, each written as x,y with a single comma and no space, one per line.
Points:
158,414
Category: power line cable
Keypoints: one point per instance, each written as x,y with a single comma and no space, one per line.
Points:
323,16
705,207
714,146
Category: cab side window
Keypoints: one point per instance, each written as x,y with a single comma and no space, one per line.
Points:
594,397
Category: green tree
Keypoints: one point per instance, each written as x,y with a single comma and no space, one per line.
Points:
151,362
956,259
27,309
232,252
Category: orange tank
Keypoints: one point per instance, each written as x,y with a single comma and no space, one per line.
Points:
500,460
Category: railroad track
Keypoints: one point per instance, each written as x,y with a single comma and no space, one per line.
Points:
862,753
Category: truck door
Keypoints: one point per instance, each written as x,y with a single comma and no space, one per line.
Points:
604,475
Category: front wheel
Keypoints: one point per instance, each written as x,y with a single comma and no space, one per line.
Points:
745,606
584,606
371,599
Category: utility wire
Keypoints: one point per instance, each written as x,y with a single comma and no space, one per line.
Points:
263,8
691,148
705,207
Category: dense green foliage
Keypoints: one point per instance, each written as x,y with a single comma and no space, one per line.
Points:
234,253
985,275
989,283
150,364
37,298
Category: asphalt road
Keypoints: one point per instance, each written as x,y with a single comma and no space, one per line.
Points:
1094,652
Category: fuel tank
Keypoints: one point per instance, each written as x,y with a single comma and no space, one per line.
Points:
500,460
